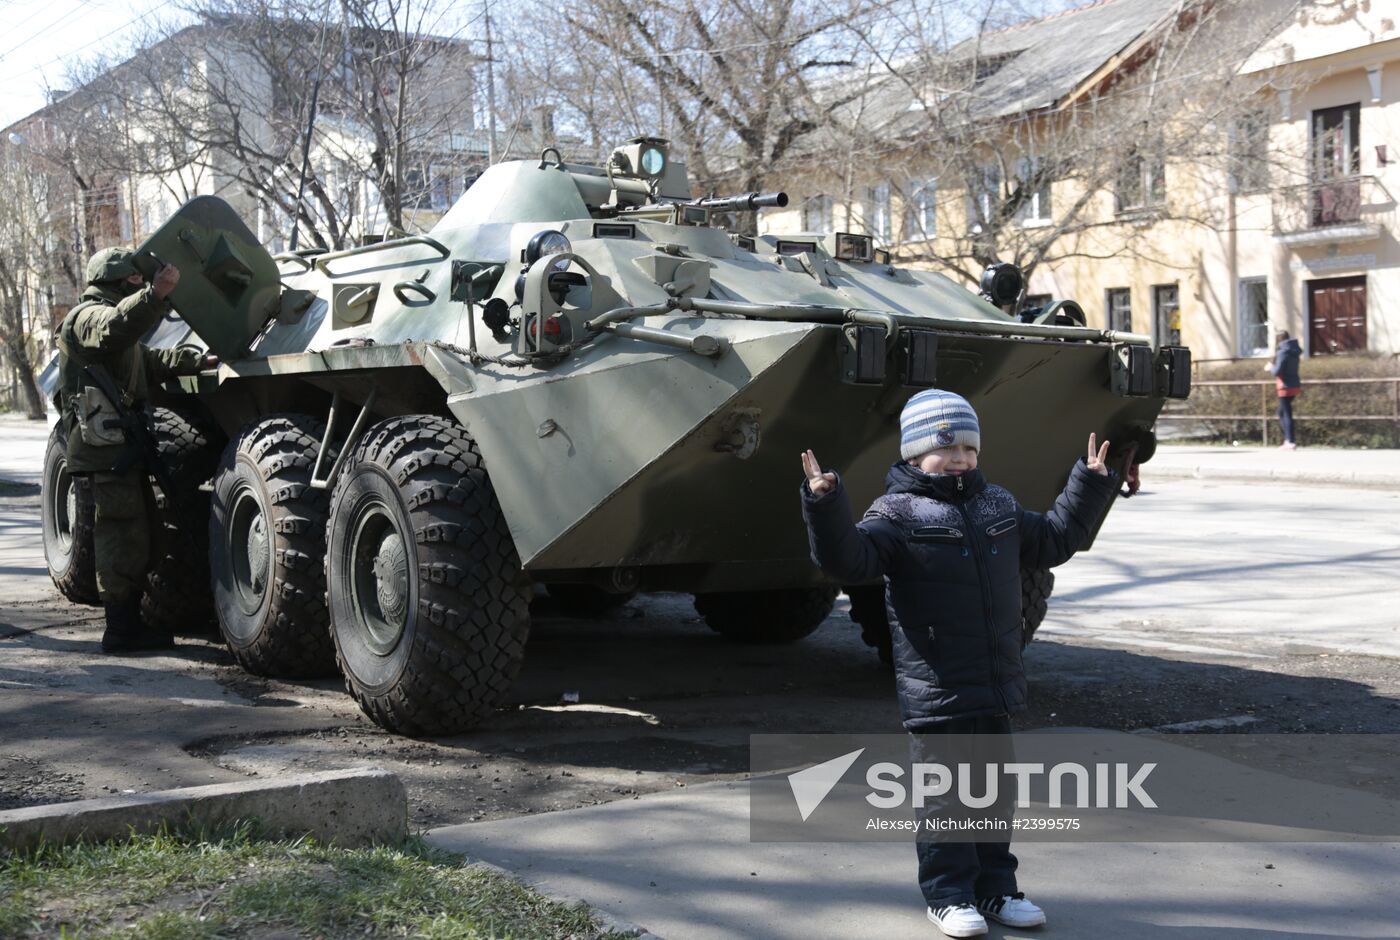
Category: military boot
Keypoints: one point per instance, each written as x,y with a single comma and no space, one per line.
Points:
127,633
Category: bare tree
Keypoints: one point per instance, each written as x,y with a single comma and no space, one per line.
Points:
228,104
959,129
27,236
730,81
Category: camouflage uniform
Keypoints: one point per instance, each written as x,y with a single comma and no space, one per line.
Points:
105,329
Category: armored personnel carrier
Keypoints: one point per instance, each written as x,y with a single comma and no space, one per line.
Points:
579,378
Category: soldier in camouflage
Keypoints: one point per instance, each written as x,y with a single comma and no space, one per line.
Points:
104,331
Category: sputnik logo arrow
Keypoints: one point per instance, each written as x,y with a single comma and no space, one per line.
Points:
811,786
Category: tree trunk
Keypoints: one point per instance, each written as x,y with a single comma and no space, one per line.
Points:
34,401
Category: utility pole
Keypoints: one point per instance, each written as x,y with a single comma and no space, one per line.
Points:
490,91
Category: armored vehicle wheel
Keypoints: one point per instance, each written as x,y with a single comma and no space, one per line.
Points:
783,616
178,595
586,600
429,607
67,522
868,613
1036,585
267,548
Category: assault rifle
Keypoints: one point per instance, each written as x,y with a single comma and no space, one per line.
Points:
140,442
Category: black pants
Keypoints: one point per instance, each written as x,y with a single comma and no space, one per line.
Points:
1285,417
953,871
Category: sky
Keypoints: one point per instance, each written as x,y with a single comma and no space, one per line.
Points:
41,39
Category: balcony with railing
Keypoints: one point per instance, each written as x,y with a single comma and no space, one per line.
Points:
1346,209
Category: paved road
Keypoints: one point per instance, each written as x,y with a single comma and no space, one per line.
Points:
1190,564
1211,566
1201,600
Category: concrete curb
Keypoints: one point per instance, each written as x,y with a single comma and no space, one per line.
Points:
1340,477
347,807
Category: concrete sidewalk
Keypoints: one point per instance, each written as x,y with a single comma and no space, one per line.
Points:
21,461
681,865
1306,465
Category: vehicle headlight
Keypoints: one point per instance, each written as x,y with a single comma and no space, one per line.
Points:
548,242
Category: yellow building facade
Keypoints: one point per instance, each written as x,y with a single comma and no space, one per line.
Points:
1295,228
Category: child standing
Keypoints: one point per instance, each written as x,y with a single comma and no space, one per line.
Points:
951,548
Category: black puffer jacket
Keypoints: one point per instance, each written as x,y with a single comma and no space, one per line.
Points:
951,550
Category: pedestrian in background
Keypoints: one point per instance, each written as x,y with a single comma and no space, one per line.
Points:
1285,372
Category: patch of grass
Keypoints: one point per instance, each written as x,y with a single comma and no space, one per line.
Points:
231,885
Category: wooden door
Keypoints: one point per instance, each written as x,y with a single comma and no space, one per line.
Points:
1337,315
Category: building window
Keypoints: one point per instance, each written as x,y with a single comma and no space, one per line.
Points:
877,211
1118,302
1249,152
414,194
1336,142
817,214
444,191
921,215
1166,314
1254,316
1142,182
984,200
1033,175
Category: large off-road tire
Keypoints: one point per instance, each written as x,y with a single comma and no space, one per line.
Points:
429,607
1036,585
267,549
868,609
67,514
782,616
178,595
868,612
586,600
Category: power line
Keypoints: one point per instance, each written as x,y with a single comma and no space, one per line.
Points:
106,37
43,9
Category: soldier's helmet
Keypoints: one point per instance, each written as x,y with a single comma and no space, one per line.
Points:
111,264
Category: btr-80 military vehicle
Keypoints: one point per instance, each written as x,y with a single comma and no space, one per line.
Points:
578,379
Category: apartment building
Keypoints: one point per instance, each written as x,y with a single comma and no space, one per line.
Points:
218,109
1218,222
1312,240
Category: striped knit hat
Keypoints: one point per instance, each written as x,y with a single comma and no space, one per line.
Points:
935,418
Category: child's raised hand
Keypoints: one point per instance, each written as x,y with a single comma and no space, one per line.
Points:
1096,455
819,482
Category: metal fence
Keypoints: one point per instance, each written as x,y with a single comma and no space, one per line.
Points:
1268,403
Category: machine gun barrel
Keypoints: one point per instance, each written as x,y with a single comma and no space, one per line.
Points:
744,202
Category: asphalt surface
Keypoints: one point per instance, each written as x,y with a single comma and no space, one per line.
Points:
1249,602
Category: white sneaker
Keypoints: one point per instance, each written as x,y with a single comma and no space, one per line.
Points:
1013,910
958,920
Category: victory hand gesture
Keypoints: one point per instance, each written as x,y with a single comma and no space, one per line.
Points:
819,482
1094,460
